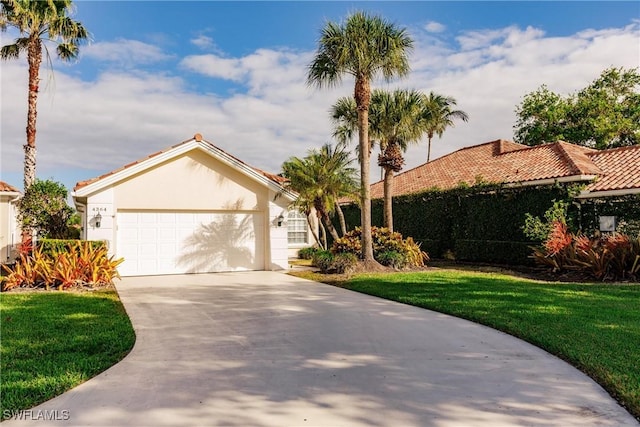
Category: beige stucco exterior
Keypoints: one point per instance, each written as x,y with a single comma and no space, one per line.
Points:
189,178
9,227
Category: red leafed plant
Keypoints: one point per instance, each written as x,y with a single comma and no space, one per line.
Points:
559,238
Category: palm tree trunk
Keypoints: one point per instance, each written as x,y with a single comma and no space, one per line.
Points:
330,227
323,234
363,98
34,57
343,223
388,198
429,149
313,232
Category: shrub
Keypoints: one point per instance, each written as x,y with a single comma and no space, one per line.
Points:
322,259
613,256
383,241
51,246
392,259
307,253
344,263
63,267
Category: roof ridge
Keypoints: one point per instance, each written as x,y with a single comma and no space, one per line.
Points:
565,154
609,150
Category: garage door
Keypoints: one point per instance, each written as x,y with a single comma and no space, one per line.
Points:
189,242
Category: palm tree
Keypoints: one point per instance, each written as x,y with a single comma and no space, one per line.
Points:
38,22
364,46
394,122
438,116
397,119
321,179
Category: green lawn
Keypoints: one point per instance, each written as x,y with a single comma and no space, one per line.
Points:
53,341
595,327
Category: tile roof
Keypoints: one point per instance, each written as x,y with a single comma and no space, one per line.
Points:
6,188
275,178
620,169
507,162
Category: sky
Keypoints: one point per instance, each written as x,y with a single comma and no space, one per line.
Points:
158,72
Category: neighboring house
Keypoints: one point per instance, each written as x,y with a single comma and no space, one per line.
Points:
9,227
192,208
604,172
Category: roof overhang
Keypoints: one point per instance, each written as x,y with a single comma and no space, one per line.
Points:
607,193
551,181
174,152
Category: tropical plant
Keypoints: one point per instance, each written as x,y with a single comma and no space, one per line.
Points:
364,47
394,123
321,179
39,22
384,241
438,115
63,267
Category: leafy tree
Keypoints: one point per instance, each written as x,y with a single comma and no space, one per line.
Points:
38,22
438,115
364,47
605,114
44,209
321,179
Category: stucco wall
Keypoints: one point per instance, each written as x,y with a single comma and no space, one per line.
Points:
9,230
193,181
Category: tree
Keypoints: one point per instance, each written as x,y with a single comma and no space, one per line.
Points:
38,22
321,179
44,209
438,115
605,114
363,46
394,122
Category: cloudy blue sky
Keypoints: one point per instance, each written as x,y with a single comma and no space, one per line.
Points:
157,72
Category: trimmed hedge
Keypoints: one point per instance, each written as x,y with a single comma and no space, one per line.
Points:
56,245
484,223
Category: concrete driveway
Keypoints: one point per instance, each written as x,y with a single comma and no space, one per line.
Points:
267,349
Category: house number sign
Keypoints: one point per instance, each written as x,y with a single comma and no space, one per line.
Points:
104,210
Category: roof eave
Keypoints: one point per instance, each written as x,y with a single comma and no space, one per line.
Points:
607,193
176,151
549,181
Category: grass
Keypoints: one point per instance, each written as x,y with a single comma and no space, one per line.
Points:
53,341
594,327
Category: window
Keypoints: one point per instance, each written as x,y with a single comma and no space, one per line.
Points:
297,228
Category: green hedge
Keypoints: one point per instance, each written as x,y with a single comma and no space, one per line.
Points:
484,223
50,245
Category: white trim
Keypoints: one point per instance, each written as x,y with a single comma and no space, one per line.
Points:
607,193
549,181
175,152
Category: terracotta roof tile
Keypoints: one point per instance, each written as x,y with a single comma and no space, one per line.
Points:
6,188
620,169
275,178
497,161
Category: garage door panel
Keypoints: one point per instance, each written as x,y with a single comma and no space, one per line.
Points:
180,242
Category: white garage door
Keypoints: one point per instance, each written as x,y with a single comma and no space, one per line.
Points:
179,242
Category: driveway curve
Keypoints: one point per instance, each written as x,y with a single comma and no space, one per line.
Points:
267,349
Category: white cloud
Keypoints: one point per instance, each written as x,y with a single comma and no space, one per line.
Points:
214,66
203,42
125,52
123,116
434,27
